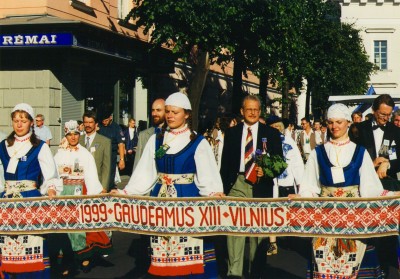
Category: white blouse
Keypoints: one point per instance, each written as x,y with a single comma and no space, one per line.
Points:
48,167
144,177
370,185
69,158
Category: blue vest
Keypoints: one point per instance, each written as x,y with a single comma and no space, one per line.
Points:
179,163
28,166
351,171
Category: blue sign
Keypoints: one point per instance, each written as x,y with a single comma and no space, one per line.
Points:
36,40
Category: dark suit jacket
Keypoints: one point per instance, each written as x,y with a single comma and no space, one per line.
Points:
101,151
130,144
231,154
361,133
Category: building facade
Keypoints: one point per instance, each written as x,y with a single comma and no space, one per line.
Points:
66,56
379,22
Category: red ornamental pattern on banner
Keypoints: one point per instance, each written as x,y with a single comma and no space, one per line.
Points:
350,218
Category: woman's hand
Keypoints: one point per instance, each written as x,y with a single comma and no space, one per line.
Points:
114,192
382,169
218,194
51,193
293,196
378,161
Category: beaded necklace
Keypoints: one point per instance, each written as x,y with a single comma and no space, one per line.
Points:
339,143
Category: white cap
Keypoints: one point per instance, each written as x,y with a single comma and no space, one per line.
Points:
339,111
25,107
71,126
178,99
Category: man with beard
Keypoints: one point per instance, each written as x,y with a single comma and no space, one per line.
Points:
99,146
158,115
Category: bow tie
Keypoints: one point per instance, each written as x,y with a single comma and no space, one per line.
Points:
374,127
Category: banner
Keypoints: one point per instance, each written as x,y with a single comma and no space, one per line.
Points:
350,218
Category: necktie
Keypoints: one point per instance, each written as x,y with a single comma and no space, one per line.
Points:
248,151
87,143
374,127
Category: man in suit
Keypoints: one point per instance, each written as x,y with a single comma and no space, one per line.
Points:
99,146
381,138
239,141
307,138
131,140
158,115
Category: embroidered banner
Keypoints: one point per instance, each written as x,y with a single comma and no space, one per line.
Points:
350,218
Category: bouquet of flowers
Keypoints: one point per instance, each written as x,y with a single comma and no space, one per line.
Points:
271,165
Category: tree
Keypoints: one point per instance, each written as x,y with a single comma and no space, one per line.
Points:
191,29
335,62
280,41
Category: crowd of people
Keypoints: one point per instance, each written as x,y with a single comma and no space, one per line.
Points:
341,156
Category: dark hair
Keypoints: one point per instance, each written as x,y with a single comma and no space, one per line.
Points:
359,113
33,139
317,121
382,99
224,123
306,119
90,114
79,122
368,116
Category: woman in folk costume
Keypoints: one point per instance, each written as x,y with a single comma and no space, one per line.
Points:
289,180
77,169
340,168
178,163
27,162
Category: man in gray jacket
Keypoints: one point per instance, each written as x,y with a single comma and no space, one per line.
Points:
158,115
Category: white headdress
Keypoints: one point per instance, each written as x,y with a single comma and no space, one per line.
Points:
339,111
25,107
71,126
178,99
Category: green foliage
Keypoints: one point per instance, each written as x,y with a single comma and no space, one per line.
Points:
286,40
271,165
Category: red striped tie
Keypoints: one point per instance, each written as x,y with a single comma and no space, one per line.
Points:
248,151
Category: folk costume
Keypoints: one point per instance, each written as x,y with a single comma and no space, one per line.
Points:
77,169
173,165
29,171
291,177
341,169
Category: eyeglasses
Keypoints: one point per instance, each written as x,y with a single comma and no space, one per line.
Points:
38,120
251,110
384,115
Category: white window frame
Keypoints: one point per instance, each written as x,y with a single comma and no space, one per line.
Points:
381,54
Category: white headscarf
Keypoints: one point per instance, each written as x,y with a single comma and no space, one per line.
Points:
178,99
339,111
25,107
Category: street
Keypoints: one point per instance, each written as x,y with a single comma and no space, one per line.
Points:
129,259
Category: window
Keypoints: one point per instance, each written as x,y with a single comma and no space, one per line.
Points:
124,7
380,54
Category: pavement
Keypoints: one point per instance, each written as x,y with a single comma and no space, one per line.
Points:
129,258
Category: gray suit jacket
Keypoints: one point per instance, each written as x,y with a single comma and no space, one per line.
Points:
143,138
101,151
